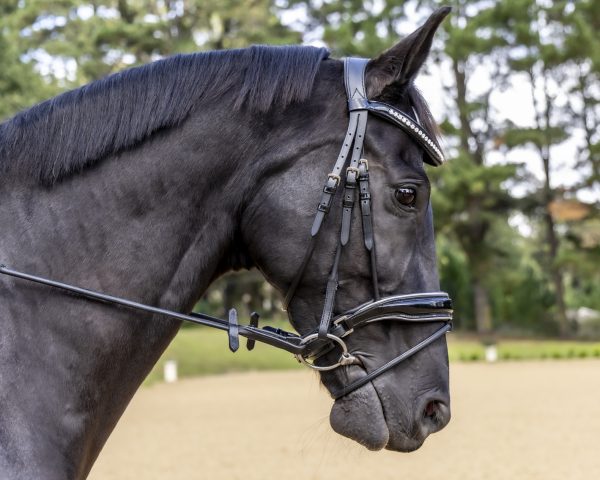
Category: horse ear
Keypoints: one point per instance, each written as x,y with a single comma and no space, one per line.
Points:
400,64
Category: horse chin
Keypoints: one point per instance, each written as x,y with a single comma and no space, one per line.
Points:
360,417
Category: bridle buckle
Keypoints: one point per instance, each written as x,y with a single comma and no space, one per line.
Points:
355,170
335,178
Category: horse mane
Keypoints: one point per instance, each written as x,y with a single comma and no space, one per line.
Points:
63,135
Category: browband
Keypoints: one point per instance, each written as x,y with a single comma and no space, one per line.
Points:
357,100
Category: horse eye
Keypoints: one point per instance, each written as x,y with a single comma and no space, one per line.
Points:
406,196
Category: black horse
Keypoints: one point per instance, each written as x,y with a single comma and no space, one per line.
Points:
153,182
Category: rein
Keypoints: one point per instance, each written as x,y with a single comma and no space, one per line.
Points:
431,307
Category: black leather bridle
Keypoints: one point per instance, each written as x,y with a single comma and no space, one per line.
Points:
412,308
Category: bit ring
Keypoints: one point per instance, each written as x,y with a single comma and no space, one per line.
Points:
345,359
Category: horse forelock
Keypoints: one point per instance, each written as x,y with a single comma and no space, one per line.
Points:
67,133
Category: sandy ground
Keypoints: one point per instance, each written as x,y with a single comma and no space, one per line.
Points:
528,420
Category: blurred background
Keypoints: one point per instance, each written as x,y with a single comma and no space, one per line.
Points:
514,85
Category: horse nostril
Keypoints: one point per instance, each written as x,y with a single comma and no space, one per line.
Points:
431,410
434,416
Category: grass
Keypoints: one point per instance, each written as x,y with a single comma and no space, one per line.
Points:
203,351
472,350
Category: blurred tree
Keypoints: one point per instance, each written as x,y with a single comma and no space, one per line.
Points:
581,36
245,291
560,73
82,40
20,84
470,196
351,27
520,295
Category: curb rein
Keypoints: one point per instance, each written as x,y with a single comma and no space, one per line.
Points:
412,308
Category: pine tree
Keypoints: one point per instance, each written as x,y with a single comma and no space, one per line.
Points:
20,84
560,71
470,197
82,40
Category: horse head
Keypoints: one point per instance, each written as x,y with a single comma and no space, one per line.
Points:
324,275
154,181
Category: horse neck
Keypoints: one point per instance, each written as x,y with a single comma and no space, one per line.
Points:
154,224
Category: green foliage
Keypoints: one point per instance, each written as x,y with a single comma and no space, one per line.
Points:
520,296
355,27
80,40
517,137
204,351
247,292
463,350
580,258
20,84
455,279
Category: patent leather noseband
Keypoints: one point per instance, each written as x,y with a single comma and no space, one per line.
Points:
353,168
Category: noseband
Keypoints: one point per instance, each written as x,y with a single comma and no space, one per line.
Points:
434,307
